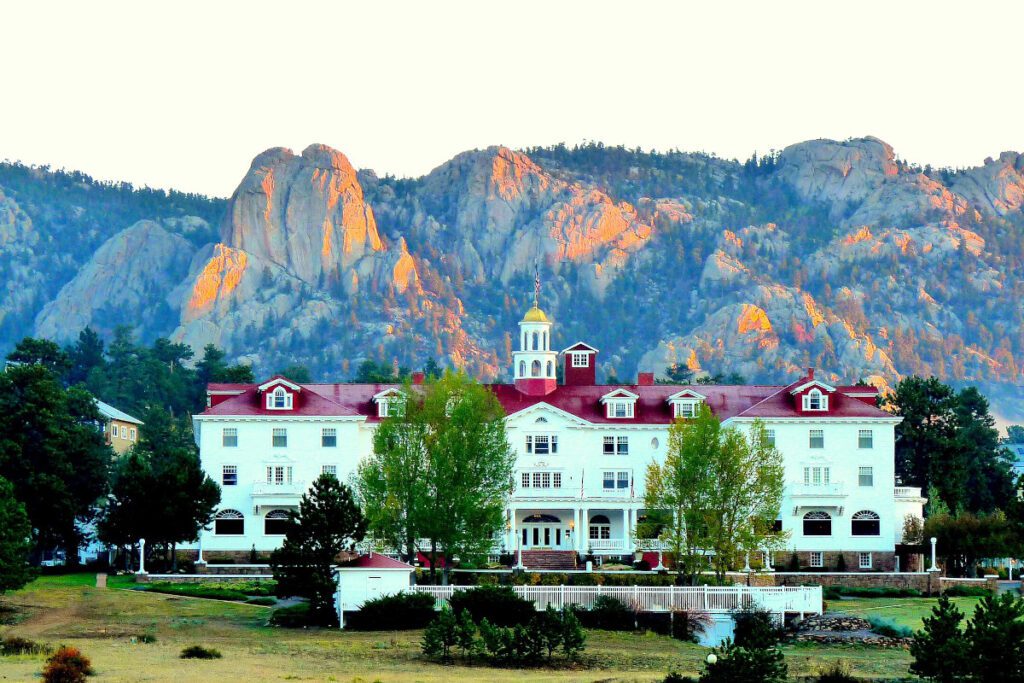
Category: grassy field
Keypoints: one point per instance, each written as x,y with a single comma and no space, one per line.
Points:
102,622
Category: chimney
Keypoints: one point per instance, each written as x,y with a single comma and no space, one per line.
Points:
645,379
810,373
417,378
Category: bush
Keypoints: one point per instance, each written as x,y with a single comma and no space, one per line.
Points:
964,591
265,602
147,638
885,627
295,616
21,646
67,665
676,677
198,590
520,645
398,612
837,672
837,592
755,629
498,604
200,652
609,614
735,664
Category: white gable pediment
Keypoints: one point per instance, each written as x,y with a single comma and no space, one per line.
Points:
275,382
388,394
687,393
813,383
554,416
620,394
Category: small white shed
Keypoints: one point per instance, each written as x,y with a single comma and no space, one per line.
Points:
370,576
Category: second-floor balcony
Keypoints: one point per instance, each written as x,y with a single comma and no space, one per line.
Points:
907,492
293,489
830,490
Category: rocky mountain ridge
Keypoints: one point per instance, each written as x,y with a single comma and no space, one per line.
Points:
830,253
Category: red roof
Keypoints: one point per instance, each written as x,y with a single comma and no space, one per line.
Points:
376,561
583,401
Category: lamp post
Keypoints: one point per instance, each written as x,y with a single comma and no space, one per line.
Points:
712,659
934,567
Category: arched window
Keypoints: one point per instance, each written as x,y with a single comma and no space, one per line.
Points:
544,338
522,368
540,518
279,399
817,523
229,523
276,523
551,370
600,528
535,369
535,341
865,523
815,400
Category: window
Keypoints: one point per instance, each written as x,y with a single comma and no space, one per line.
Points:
535,368
229,523
815,400
541,444
229,437
866,476
817,475
600,527
279,475
685,409
280,439
613,480
113,430
279,399
817,524
865,523
556,480
769,435
817,439
864,560
229,475
276,523
390,407
124,432
580,360
551,369
524,481
329,437
865,438
331,470
615,445
620,409
541,480
817,559
522,368
131,434
609,445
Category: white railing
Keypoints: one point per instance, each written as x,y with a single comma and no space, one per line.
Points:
607,543
711,599
908,492
650,544
831,490
262,488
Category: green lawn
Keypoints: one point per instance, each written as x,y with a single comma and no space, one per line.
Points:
907,612
102,622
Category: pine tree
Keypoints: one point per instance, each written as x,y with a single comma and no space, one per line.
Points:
15,540
940,649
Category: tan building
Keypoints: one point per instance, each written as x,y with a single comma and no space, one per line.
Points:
120,430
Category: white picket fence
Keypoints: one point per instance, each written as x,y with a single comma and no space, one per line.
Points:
710,599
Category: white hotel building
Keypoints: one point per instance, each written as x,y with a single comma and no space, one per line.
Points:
582,452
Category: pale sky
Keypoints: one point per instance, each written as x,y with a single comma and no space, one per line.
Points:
184,94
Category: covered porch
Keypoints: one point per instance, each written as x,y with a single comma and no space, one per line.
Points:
597,530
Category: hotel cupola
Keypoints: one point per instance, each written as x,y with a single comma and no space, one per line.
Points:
534,364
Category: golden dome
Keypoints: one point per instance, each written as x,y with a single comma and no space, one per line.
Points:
535,315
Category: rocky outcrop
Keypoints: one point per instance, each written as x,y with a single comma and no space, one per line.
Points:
122,284
998,186
840,173
306,214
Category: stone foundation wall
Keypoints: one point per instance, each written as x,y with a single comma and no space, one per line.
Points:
251,569
880,562
923,582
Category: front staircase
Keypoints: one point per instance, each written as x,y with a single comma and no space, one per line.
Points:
558,560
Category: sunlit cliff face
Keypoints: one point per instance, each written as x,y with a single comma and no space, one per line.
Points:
218,279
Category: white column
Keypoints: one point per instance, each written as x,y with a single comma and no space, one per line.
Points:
142,556
200,560
511,540
934,567
628,544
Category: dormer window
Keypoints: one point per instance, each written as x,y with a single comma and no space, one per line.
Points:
815,400
390,403
685,404
279,394
580,359
619,404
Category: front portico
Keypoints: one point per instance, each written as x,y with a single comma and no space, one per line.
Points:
597,530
